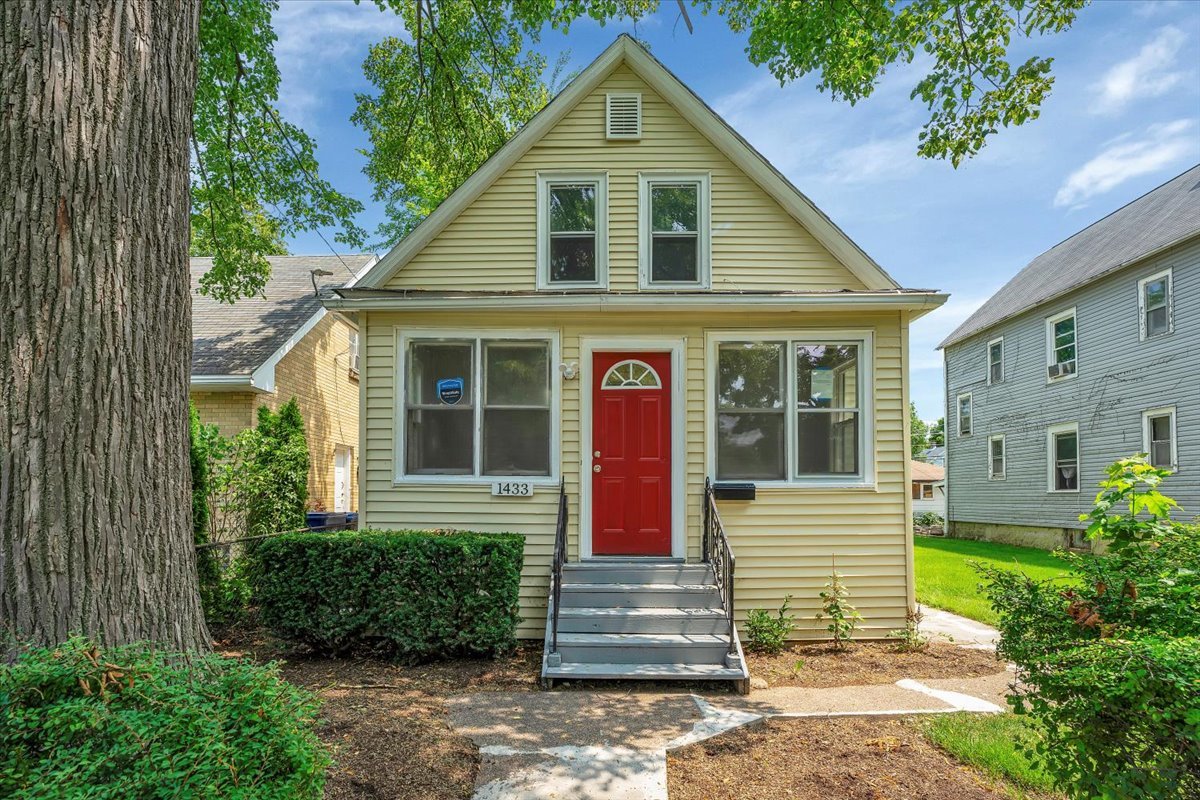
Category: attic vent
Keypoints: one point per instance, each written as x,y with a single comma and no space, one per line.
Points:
623,115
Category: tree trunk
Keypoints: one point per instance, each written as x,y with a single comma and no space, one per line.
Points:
95,328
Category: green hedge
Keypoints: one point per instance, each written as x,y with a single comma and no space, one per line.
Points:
415,595
78,721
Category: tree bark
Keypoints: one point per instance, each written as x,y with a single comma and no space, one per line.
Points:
95,321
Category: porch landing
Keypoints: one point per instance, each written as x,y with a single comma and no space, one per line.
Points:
641,620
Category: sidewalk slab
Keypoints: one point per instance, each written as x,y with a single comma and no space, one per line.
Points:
962,631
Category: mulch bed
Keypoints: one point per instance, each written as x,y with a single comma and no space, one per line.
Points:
817,664
855,758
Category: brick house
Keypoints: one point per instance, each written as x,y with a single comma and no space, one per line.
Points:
263,351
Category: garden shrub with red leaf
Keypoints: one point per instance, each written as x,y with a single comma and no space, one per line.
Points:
1110,660
80,721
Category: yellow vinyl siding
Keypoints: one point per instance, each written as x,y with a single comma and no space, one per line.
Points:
784,540
755,243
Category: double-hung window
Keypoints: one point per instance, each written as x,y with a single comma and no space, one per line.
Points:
965,402
477,406
1062,448
1158,436
1061,339
674,243
997,457
995,356
1154,304
792,410
572,247
353,348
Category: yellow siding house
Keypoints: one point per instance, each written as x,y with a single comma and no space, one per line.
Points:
627,301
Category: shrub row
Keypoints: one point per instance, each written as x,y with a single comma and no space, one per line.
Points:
414,595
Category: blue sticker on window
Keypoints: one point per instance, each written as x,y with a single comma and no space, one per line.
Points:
450,390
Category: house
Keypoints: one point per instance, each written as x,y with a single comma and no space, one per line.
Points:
928,488
1090,354
628,302
935,454
263,351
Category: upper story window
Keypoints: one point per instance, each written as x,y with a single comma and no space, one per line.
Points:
997,457
964,414
1158,437
353,352
572,248
1062,449
1061,345
1154,304
674,240
996,360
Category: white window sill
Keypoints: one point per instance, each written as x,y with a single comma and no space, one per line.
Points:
1062,491
1062,378
783,486
471,480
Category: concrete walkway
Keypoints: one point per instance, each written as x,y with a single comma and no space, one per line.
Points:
960,630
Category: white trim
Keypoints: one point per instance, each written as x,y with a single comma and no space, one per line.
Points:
360,466
691,108
677,347
1162,411
703,181
264,376
1143,333
864,338
405,334
544,181
997,437
362,271
224,383
1068,313
988,358
1051,432
608,102
958,431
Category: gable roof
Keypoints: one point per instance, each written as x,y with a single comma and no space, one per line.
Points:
927,473
238,339
1159,219
689,105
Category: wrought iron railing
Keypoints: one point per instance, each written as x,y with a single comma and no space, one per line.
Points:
719,554
560,557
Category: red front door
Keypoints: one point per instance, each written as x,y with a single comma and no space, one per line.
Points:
631,454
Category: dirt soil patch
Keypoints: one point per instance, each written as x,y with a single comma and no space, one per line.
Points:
856,758
818,665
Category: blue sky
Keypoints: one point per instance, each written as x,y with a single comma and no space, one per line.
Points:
1123,118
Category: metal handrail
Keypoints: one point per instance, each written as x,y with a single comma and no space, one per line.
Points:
560,557
719,554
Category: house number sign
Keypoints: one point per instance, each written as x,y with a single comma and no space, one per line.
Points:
512,489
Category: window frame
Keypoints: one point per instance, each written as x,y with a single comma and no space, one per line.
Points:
999,340
547,180
1052,432
864,338
1161,411
1144,329
354,345
646,182
958,414
1003,474
1069,313
478,337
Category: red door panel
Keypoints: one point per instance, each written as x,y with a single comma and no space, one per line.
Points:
631,459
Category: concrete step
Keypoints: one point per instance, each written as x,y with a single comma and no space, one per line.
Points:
640,595
636,572
682,672
642,648
643,620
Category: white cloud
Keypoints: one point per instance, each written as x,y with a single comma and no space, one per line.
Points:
1148,74
1126,158
875,160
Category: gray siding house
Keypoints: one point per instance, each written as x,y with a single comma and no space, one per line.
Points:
1090,354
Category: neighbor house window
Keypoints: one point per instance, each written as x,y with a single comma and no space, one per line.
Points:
926,491
477,407
1063,452
572,249
996,457
791,410
1158,437
1061,338
353,352
964,414
1154,301
674,222
996,360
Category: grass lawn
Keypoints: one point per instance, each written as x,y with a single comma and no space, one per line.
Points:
989,742
945,578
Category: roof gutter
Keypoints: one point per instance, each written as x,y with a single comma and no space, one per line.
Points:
226,383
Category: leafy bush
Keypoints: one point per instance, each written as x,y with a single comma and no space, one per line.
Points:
201,444
910,639
417,595
835,606
928,518
767,634
1112,663
129,722
280,466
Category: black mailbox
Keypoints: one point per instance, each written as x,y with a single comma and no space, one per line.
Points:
726,490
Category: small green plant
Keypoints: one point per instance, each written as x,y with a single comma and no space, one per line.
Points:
909,639
766,633
835,606
928,519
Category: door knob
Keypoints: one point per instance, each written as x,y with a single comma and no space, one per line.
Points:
595,468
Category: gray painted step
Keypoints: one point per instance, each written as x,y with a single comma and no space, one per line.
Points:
625,572
640,595
642,620
642,648
683,672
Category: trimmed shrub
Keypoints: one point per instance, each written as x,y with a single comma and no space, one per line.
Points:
79,721
767,634
415,595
